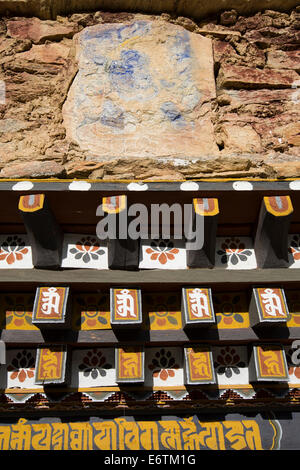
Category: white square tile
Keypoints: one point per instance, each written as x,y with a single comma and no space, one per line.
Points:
163,254
164,367
84,251
231,365
93,367
20,368
235,253
15,252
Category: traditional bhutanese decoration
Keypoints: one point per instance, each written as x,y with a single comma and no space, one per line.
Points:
278,205
31,202
114,204
231,310
268,306
50,367
197,307
91,312
129,365
16,311
199,367
268,363
125,307
50,306
162,311
206,207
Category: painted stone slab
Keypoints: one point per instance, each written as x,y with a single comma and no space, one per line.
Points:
268,363
50,365
162,311
15,252
125,307
268,306
123,102
199,366
16,311
163,254
235,253
91,312
51,306
231,310
94,367
197,307
164,367
231,364
20,369
129,365
84,251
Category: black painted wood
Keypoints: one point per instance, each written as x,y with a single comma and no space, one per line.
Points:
45,237
271,240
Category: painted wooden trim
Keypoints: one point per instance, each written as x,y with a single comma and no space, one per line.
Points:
204,276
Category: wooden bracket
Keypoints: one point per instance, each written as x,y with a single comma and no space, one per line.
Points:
197,307
51,307
268,306
125,307
204,221
271,240
44,233
122,253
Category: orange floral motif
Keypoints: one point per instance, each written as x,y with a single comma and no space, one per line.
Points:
12,250
22,366
163,365
162,251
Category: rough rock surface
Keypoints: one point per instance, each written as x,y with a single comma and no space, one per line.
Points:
243,81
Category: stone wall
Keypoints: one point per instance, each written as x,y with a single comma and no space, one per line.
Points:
141,96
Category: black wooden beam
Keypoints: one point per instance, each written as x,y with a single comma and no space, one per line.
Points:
44,233
271,241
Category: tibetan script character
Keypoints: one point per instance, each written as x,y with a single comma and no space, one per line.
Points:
50,301
60,436
149,435
21,435
41,440
125,304
212,436
4,437
199,303
81,436
106,438
170,437
272,302
128,434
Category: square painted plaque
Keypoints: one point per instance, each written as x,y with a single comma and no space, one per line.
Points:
51,306
125,307
130,365
268,363
268,306
50,367
197,307
199,367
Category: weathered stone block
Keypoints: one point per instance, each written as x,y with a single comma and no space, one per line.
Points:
235,76
143,89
